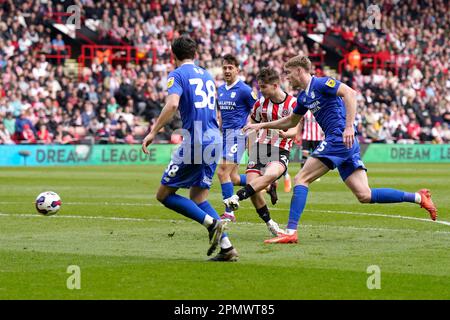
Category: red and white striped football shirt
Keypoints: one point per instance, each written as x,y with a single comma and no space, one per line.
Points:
264,110
311,129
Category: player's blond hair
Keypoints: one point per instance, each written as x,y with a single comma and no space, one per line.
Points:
299,61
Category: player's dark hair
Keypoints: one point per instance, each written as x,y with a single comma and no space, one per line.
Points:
230,59
268,76
184,48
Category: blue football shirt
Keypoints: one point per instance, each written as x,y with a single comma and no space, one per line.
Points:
197,106
235,103
321,99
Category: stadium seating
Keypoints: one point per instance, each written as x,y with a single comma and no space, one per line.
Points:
122,50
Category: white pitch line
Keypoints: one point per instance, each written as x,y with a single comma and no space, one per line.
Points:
447,223
187,221
90,203
22,215
443,222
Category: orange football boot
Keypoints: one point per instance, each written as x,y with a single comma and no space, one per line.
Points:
427,203
284,238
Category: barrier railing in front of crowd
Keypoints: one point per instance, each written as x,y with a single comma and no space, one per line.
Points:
318,59
375,61
109,53
58,53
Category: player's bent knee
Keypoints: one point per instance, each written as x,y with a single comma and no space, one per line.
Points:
161,197
364,197
303,179
225,171
222,173
235,179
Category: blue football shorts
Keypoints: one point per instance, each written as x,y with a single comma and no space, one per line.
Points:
234,145
185,174
334,154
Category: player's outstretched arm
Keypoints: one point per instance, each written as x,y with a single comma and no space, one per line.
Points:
166,115
283,123
292,132
349,97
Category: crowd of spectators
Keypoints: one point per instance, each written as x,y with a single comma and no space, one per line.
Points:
41,102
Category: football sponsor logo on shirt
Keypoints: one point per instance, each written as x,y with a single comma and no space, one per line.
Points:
313,105
207,181
170,82
331,83
314,110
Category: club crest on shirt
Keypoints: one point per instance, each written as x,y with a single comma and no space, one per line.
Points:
170,82
313,95
285,113
233,94
331,83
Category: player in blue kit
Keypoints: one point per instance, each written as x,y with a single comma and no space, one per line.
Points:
192,91
334,106
235,100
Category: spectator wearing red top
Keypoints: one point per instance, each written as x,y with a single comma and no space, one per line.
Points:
43,135
383,55
413,130
348,34
27,135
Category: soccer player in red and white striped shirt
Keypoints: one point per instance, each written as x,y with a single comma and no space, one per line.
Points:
312,135
269,152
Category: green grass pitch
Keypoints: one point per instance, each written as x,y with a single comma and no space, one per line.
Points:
128,246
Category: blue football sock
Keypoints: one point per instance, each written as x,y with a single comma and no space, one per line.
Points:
298,203
385,195
227,192
185,206
243,180
207,207
409,197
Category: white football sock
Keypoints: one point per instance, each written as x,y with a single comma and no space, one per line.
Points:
291,231
208,221
225,243
418,198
